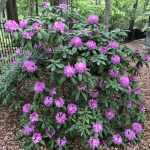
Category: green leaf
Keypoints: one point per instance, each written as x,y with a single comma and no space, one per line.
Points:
84,96
62,80
77,96
73,80
80,77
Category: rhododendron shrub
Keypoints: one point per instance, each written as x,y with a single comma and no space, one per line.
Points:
82,82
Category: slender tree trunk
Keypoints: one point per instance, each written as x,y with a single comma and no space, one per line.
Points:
107,14
31,8
37,10
131,23
12,10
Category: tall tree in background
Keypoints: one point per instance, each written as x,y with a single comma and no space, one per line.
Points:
107,14
12,10
132,21
31,7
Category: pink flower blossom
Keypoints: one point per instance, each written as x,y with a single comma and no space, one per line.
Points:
45,4
29,66
129,134
117,139
34,117
141,108
80,67
115,59
63,6
61,142
27,34
92,104
146,57
36,25
59,26
59,102
48,50
28,129
102,49
76,42
113,44
18,50
113,74
91,45
94,93
60,118
39,87
11,26
69,71
36,138
93,19
26,108
71,109
97,127
48,101
23,23
93,142
53,91
137,127
124,81
109,114
50,134
129,104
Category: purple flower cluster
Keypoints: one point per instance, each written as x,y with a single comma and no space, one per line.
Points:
36,138
34,117
117,139
45,4
23,23
63,6
146,57
129,134
93,142
26,108
59,102
113,44
69,71
80,67
36,25
48,50
76,42
141,108
81,87
18,50
92,19
109,114
59,26
11,26
61,142
137,127
97,127
92,104
28,129
27,34
113,74
39,87
102,49
48,101
115,59
50,135
53,91
29,66
133,78
71,109
60,118
124,81
91,45
129,104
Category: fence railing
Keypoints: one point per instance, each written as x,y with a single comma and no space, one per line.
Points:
7,48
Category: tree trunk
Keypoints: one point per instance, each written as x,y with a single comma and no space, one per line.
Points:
107,14
37,10
12,10
31,8
131,23
57,2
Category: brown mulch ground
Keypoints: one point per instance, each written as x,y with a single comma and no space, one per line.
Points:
9,123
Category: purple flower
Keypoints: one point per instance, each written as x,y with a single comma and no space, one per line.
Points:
92,104
100,84
27,34
80,67
71,109
97,127
117,139
50,135
60,118
69,71
129,104
29,66
94,93
36,138
28,129
11,26
45,4
34,117
39,87
23,23
138,51
124,81
137,91
18,50
59,102
36,25
109,114
76,42
91,45
93,142
146,57
81,87
133,78
61,142
113,74
129,134
63,6
53,91
92,19
48,101
28,53
26,108
37,45
141,108
102,49
59,26
137,127
129,90
48,50
113,44
115,59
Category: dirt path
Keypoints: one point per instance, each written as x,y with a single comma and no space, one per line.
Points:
9,123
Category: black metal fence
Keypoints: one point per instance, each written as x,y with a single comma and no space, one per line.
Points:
7,47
